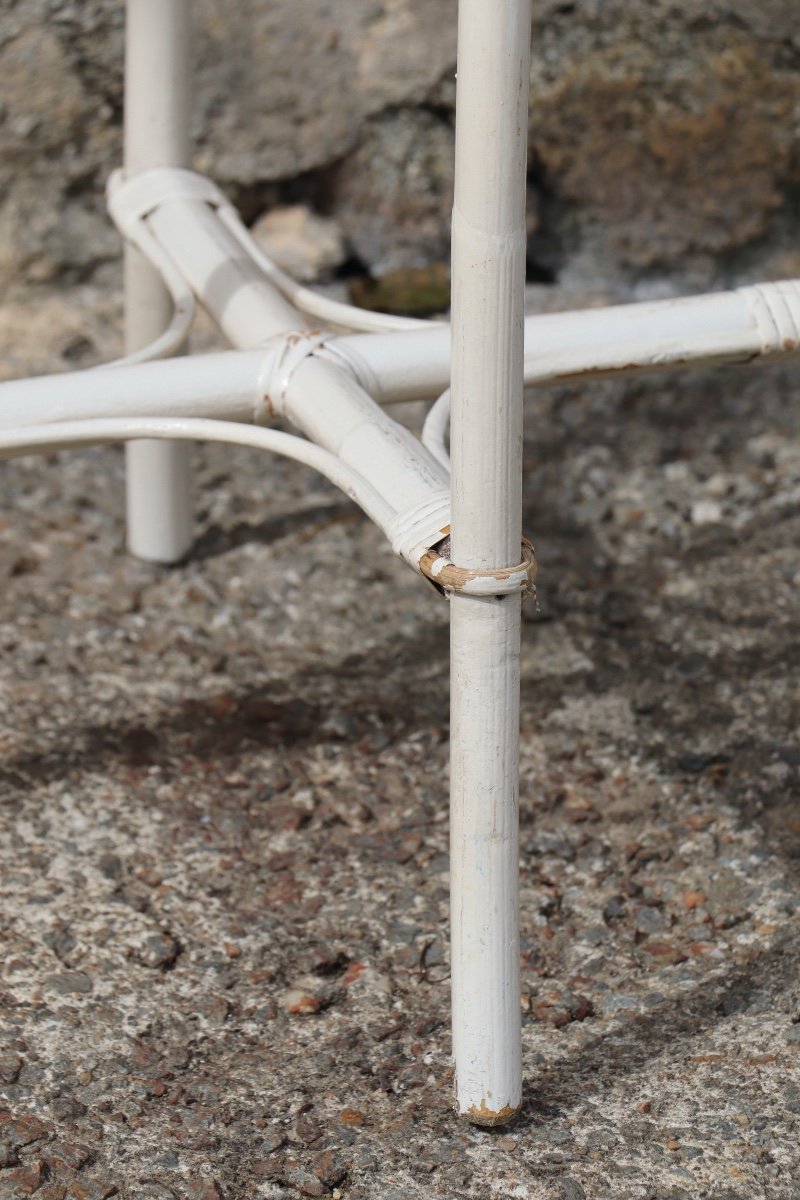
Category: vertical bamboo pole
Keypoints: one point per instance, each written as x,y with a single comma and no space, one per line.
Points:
486,439
157,113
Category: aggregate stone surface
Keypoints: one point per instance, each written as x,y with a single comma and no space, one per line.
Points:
224,843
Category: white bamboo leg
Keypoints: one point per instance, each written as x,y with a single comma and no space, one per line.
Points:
486,438
157,91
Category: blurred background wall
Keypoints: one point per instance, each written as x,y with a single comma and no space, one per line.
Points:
664,149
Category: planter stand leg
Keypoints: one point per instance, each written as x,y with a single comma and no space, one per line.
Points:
157,89
486,440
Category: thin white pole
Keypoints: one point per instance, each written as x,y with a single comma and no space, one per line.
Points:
486,439
157,99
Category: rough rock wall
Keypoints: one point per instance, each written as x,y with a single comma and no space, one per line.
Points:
663,134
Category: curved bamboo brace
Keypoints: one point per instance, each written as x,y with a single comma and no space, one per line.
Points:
309,302
44,439
435,428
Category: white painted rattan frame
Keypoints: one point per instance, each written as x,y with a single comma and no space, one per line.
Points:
295,358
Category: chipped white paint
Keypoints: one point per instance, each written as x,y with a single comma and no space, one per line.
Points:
776,309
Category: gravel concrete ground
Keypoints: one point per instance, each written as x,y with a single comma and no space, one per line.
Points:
224,820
